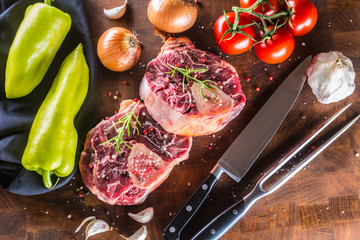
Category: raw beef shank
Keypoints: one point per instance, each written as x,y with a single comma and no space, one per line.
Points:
182,104
143,160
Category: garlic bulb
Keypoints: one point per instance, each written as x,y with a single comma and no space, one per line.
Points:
331,77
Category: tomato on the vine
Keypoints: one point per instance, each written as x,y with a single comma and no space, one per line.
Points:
303,18
276,48
238,43
275,6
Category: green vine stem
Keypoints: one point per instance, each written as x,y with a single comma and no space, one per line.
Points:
285,13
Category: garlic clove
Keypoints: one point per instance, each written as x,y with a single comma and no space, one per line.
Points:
140,234
95,227
331,77
117,12
83,222
144,216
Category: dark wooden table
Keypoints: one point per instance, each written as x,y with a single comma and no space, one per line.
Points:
320,202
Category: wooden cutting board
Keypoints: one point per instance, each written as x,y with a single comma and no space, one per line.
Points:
320,202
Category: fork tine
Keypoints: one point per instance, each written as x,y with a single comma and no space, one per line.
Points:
310,157
299,147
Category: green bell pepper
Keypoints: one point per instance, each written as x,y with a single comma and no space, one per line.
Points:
52,142
36,42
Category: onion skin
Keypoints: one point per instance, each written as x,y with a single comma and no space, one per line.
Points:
118,49
172,16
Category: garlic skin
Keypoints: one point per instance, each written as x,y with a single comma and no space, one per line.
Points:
144,216
84,221
95,227
140,234
117,12
331,77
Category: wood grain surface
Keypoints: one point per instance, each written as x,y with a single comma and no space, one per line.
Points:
320,202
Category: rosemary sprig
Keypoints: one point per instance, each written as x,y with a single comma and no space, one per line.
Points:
189,79
127,122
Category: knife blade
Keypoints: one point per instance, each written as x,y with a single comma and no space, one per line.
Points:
246,148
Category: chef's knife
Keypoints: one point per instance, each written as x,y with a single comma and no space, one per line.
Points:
221,224
246,148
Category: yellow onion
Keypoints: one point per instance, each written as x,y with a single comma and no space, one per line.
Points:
118,49
172,16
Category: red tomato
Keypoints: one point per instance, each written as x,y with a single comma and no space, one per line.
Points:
239,43
268,11
303,18
277,48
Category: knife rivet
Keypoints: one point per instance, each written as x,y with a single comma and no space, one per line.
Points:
235,211
172,229
212,231
204,186
188,208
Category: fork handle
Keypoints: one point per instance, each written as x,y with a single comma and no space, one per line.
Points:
222,223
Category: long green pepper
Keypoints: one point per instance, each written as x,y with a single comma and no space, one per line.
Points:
36,42
52,141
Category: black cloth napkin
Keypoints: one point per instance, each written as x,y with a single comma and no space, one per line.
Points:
16,115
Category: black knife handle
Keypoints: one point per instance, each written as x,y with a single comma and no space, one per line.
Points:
222,223
188,210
